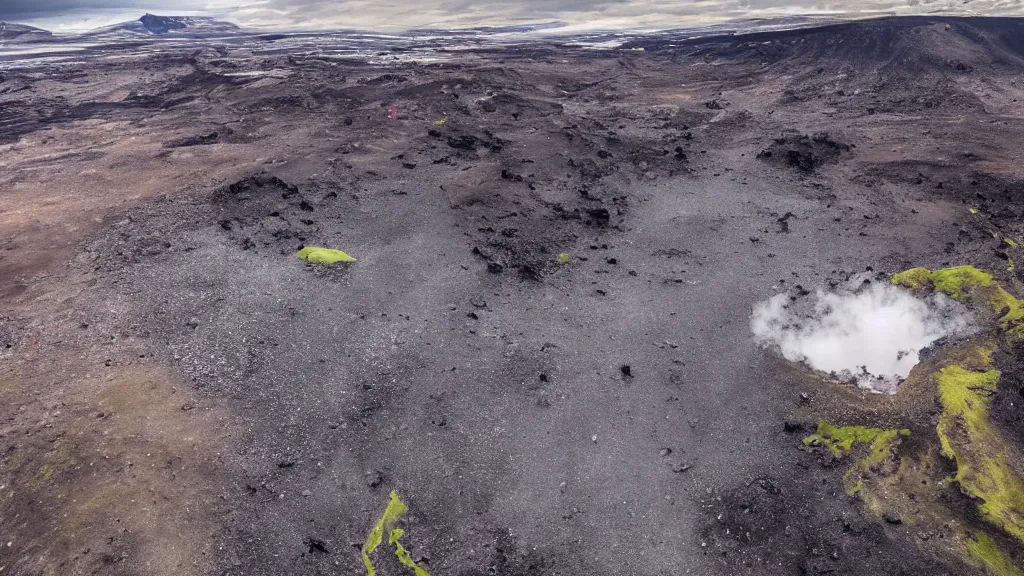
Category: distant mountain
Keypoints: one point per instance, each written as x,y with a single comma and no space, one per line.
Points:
22,32
173,25
515,28
165,24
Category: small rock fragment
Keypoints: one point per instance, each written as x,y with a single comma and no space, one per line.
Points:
374,479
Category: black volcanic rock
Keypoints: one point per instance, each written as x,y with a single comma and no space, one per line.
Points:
185,24
162,24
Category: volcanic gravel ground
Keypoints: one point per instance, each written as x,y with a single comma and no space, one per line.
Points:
182,395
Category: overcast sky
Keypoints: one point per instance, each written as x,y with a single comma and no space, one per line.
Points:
67,15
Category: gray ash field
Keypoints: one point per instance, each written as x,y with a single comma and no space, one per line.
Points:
181,394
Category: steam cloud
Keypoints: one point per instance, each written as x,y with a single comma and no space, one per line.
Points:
872,334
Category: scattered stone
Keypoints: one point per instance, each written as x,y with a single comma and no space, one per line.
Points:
317,545
599,216
784,222
374,479
792,426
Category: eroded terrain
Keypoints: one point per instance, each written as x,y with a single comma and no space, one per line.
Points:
544,346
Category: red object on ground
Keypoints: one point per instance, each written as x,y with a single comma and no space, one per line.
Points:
392,112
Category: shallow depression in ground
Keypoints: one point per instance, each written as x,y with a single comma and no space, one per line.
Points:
872,332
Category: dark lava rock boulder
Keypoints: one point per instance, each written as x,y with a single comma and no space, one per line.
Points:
263,211
805,153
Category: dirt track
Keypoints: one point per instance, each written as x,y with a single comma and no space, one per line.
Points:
182,395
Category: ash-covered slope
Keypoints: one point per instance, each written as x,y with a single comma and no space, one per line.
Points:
900,64
22,33
911,43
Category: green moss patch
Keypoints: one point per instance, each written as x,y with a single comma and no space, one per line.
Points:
392,514
984,551
967,437
840,441
1016,335
324,255
915,278
967,284
403,555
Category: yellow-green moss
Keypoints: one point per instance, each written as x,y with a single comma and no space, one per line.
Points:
977,357
915,278
982,549
392,514
957,281
967,283
403,555
1009,241
324,255
564,258
967,437
841,441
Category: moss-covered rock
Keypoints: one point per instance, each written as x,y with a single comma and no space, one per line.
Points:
915,278
969,285
965,480
840,441
324,255
968,437
983,550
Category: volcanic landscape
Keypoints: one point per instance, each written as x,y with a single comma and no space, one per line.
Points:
544,346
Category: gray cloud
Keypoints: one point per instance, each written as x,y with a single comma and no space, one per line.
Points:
397,14
13,9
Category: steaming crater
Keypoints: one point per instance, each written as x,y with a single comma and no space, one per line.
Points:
868,332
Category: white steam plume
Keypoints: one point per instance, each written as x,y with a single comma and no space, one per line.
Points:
873,334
